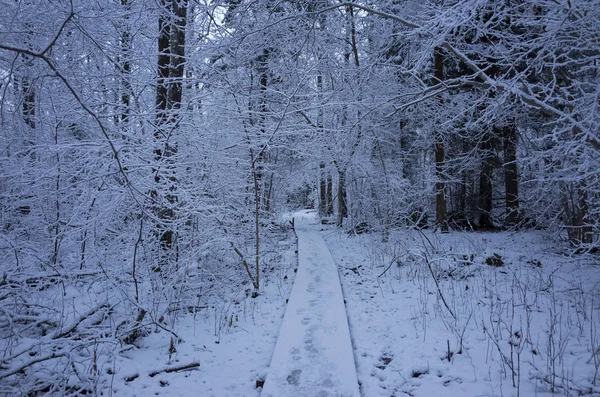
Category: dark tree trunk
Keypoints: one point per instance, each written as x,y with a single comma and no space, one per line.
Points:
440,154
586,232
511,182
342,203
323,185
576,213
125,65
169,95
28,102
28,111
24,83
485,184
322,190
353,42
320,98
329,195
464,184
177,41
164,60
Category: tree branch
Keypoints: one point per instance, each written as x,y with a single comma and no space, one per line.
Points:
177,368
520,92
21,367
42,55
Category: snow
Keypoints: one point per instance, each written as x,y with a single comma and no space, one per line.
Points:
232,339
543,319
384,332
229,365
313,355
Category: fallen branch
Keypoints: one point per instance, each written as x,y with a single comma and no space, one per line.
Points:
567,384
66,331
178,368
189,309
131,377
135,332
246,265
56,335
21,367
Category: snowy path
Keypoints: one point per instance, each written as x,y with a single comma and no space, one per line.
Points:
313,355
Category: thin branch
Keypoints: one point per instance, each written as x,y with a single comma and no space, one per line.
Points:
245,263
60,30
438,285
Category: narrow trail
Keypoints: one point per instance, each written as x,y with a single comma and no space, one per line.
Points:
313,356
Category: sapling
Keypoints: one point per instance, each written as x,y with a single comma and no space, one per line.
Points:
557,342
172,348
595,347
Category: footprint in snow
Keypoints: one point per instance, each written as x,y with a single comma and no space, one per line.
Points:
294,377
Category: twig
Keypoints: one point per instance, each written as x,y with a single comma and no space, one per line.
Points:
502,355
394,260
438,286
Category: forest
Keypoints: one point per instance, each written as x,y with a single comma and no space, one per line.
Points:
149,150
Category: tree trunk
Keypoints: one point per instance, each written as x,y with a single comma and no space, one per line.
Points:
323,186
28,110
485,184
342,204
511,182
262,154
440,154
465,182
322,191
164,59
256,181
177,65
125,64
586,233
27,87
268,191
576,213
169,93
329,211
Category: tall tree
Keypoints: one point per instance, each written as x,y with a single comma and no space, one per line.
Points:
169,92
440,153
511,177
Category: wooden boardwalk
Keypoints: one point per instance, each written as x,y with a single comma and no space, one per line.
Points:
313,356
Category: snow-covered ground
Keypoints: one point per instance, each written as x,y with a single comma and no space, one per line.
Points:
456,314
527,326
525,323
231,340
